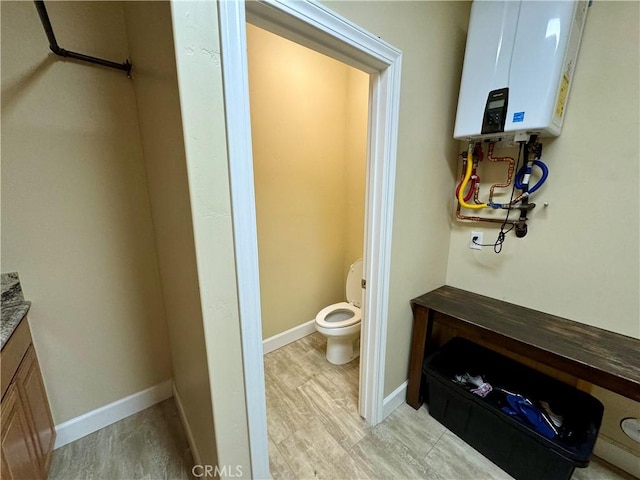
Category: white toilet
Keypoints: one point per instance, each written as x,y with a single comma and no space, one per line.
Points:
340,322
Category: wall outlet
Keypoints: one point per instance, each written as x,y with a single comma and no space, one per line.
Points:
477,236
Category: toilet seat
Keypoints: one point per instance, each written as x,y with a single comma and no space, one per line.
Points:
333,316
340,323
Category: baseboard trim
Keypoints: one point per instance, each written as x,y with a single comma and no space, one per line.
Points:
608,450
92,421
195,453
288,336
394,400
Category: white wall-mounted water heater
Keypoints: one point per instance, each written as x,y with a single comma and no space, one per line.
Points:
518,66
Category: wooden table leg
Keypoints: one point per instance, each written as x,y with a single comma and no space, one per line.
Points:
418,340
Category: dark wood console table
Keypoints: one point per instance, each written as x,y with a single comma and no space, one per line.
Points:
592,354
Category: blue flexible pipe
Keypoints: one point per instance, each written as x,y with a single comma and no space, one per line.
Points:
523,170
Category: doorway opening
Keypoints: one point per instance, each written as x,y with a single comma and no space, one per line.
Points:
316,27
309,121
309,133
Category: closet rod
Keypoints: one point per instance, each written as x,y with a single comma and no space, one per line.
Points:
55,48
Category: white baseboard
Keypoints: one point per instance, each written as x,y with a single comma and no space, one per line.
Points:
394,400
289,336
195,453
104,416
609,450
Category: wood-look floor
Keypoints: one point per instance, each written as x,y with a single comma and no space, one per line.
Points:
149,445
316,432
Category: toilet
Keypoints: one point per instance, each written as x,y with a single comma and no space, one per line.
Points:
340,322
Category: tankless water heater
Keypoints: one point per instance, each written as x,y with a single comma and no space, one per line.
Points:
518,67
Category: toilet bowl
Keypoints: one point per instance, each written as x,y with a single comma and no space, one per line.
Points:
340,322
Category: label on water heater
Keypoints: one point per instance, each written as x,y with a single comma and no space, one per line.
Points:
518,117
562,95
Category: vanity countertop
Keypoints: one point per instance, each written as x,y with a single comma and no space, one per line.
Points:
14,306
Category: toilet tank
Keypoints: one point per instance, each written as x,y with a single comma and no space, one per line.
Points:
354,284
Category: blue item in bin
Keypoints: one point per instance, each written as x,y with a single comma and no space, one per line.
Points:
522,407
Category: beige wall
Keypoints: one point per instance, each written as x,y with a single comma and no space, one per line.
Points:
309,147
580,259
156,87
431,36
355,165
76,221
196,40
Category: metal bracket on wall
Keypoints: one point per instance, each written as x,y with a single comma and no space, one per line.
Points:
55,48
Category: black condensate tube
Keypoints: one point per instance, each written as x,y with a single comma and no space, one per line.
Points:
55,48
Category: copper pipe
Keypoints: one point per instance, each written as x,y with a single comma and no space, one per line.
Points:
510,170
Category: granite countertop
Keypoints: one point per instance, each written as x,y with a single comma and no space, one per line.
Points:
14,306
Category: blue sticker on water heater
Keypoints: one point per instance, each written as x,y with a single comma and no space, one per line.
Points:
518,117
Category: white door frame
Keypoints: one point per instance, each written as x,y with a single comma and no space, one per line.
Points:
315,26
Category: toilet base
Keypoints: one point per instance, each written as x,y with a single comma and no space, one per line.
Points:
341,350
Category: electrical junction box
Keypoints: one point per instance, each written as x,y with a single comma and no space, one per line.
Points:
518,67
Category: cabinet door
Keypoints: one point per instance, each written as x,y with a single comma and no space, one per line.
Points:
34,397
19,459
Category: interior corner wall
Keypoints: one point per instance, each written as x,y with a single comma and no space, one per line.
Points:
580,258
200,86
308,173
432,37
155,82
76,221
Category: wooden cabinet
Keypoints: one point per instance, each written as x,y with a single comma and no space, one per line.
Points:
19,459
27,426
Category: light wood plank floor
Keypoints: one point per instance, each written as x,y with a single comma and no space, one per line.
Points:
316,432
149,445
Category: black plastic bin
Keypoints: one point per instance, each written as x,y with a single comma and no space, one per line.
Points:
511,442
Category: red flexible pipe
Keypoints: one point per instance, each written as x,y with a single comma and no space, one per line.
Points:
472,187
